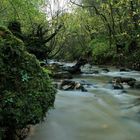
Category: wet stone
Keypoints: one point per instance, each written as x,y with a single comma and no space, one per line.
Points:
72,85
105,70
117,86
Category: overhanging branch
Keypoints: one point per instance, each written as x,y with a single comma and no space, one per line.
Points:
103,17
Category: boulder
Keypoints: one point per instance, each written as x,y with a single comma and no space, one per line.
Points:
72,85
117,86
95,72
129,81
116,79
105,70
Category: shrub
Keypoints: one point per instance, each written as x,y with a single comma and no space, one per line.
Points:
102,53
133,60
26,92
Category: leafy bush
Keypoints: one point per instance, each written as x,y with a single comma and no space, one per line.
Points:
26,90
102,53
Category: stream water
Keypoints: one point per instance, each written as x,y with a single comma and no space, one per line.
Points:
102,113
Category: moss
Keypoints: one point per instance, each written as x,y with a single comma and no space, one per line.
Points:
26,90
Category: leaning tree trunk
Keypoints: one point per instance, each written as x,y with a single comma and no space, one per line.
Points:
76,69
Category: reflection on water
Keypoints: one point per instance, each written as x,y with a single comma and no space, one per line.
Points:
100,114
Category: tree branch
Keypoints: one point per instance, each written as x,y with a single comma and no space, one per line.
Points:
103,17
53,34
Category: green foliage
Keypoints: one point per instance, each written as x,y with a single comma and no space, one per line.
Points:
75,37
26,90
26,12
107,25
133,61
47,70
101,51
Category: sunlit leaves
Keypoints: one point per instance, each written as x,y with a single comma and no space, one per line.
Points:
119,16
25,11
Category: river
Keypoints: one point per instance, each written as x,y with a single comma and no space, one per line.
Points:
102,113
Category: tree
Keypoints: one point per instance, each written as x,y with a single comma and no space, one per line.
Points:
119,17
26,12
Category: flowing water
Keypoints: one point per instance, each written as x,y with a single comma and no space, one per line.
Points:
102,113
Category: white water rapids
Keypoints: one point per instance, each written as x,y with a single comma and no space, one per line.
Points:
102,113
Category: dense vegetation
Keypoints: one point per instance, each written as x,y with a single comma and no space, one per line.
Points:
102,31
110,28
26,91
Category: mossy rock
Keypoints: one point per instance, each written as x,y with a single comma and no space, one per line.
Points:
26,90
